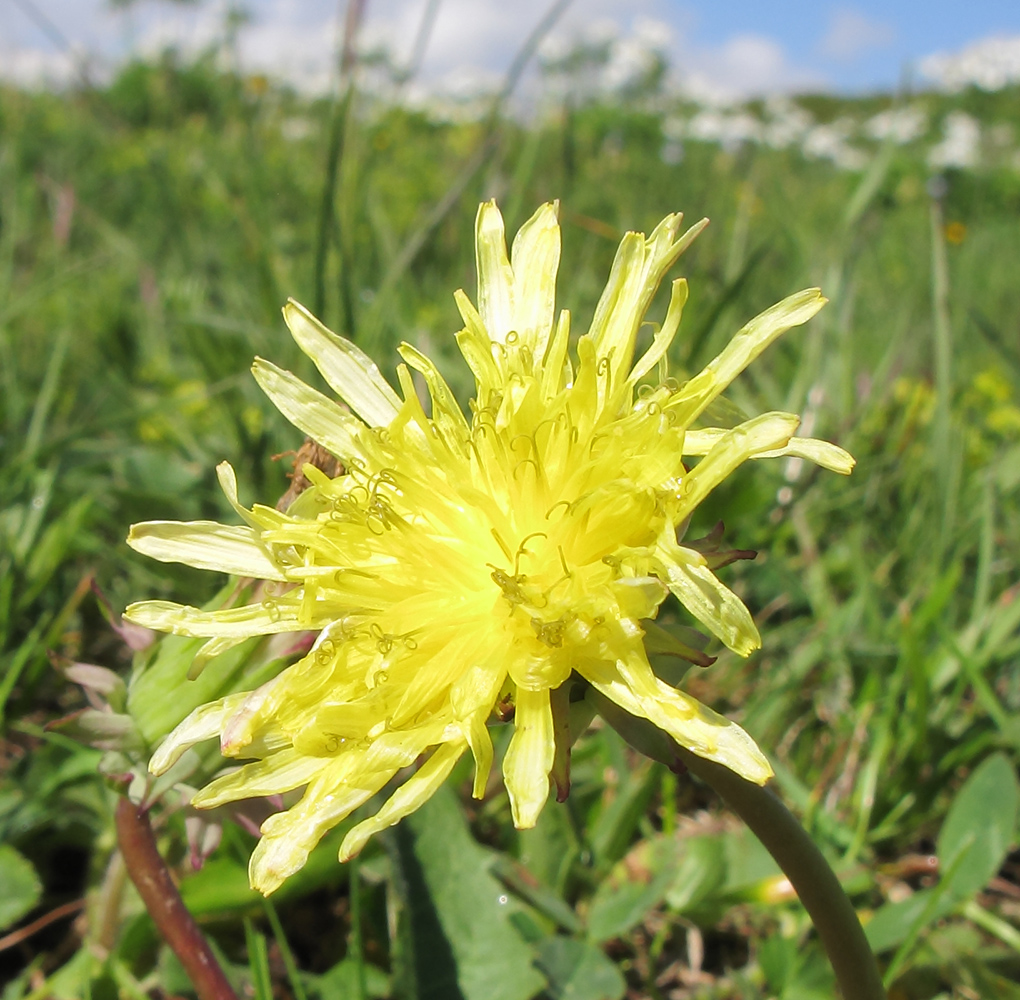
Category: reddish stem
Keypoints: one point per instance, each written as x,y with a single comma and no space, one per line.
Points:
151,877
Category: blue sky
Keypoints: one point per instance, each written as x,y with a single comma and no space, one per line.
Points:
856,45
733,47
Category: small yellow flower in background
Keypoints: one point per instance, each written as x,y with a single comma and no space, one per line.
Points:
464,562
956,233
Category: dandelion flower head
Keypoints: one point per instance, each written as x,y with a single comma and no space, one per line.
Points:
464,561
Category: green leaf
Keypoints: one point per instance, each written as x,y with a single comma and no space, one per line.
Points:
980,827
524,884
777,956
21,886
577,970
341,982
549,850
980,979
893,923
221,885
949,942
161,693
748,863
619,817
636,885
700,873
473,910
424,967
793,971
70,981
258,962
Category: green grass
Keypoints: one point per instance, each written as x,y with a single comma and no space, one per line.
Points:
149,234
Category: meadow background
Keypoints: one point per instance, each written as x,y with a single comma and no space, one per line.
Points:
150,229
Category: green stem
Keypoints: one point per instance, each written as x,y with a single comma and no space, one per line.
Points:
1006,933
151,877
809,873
943,368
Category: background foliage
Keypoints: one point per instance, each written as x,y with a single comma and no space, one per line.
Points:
150,231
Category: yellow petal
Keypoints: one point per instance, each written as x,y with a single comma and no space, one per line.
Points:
664,337
690,401
770,430
348,370
556,369
279,773
288,837
203,723
309,411
529,758
534,260
615,323
445,410
475,345
209,651
396,749
206,545
639,267
227,479
711,602
824,453
472,696
636,689
411,795
268,618
495,276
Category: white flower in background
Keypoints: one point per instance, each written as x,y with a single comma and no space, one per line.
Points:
991,64
730,130
830,142
787,123
673,131
901,125
961,143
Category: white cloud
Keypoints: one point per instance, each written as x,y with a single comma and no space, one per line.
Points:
852,34
479,35
634,55
744,66
991,64
303,55
484,35
621,57
187,30
36,68
293,42
471,45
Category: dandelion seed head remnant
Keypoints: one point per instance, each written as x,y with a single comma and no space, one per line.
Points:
462,562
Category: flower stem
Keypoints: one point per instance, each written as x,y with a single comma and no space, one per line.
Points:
151,877
809,873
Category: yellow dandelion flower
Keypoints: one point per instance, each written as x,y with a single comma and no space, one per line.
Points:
462,562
